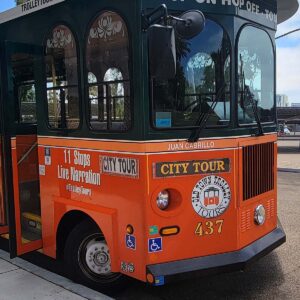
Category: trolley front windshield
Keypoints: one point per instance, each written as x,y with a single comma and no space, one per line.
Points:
203,81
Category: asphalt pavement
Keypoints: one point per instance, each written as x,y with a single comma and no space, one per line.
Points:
289,155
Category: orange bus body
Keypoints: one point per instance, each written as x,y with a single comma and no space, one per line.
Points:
114,200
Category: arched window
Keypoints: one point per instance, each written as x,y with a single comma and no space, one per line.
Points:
107,62
256,76
62,79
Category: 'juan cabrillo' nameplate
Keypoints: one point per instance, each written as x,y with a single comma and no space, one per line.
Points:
194,167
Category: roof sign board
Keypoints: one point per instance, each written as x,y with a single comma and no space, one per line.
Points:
286,8
26,8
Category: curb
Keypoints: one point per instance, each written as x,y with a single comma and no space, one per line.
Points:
288,170
58,280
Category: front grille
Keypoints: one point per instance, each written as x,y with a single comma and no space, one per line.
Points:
258,169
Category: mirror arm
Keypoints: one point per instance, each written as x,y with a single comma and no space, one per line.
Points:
163,15
176,19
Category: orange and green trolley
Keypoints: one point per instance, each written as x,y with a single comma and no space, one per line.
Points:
138,137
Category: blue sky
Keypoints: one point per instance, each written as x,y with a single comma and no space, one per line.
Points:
6,4
288,53
288,62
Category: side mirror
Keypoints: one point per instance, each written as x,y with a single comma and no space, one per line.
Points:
162,52
190,24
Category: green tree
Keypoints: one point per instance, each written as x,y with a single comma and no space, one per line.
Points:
18,2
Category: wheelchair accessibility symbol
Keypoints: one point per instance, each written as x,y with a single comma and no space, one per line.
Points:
155,245
130,242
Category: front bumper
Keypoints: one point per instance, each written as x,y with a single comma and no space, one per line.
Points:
231,261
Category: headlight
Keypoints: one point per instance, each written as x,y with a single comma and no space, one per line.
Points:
162,200
260,215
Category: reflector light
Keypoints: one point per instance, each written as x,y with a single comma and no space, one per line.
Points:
129,229
150,278
169,230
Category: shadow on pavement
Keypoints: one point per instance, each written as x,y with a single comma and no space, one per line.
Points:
38,259
249,284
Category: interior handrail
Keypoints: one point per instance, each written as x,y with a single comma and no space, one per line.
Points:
27,153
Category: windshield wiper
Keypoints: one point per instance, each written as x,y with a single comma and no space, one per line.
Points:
250,97
204,116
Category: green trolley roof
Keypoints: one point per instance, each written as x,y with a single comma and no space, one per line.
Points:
286,8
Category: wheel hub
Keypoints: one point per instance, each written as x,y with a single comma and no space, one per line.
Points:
97,257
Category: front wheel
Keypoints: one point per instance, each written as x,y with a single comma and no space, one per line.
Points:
87,258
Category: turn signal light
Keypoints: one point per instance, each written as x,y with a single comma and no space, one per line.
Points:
169,230
129,229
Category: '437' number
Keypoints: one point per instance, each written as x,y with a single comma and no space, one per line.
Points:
209,228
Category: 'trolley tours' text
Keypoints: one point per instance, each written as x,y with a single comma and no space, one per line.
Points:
32,4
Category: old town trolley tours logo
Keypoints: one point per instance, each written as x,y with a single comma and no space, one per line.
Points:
211,196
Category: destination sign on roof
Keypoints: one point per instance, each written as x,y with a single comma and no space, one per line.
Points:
26,8
244,8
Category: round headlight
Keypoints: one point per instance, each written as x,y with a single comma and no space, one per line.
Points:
162,200
260,215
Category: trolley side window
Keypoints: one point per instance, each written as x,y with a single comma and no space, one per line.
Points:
62,79
256,76
24,87
108,80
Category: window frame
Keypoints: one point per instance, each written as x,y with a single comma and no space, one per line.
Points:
79,80
19,107
251,125
17,100
130,73
215,19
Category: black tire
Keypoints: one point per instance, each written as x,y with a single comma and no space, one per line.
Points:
77,265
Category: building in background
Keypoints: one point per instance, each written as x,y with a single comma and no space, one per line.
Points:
295,104
282,100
